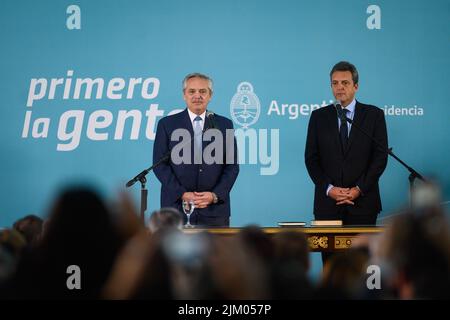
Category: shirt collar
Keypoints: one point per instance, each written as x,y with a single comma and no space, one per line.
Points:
192,115
351,106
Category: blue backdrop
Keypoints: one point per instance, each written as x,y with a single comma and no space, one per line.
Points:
284,49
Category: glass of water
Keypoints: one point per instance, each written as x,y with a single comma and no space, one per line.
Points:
188,209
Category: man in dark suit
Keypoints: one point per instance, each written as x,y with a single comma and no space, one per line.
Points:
344,164
189,175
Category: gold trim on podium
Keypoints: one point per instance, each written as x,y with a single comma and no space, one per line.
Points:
307,230
316,242
343,242
319,238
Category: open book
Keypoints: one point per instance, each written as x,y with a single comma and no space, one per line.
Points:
326,223
291,224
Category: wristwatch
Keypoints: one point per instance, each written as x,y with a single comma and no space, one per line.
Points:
215,199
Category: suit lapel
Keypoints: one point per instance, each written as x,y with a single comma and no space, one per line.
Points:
358,119
208,124
332,120
186,122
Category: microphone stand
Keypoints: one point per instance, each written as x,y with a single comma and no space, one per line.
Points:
143,180
413,174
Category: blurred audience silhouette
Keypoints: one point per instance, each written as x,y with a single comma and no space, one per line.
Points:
119,258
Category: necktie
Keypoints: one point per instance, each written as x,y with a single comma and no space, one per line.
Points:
343,130
197,139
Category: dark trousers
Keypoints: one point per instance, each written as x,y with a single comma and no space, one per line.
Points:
351,220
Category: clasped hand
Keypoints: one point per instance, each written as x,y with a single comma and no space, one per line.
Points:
344,195
201,199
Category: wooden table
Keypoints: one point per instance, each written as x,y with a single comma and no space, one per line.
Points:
319,238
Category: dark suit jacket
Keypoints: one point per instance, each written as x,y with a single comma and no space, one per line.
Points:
360,165
177,179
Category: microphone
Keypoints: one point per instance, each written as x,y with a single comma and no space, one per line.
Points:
212,122
340,113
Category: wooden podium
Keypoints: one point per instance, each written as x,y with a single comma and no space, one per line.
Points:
319,238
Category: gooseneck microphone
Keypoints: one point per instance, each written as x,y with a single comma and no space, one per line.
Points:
340,113
338,107
211,119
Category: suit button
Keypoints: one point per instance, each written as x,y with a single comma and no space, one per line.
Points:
201,170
